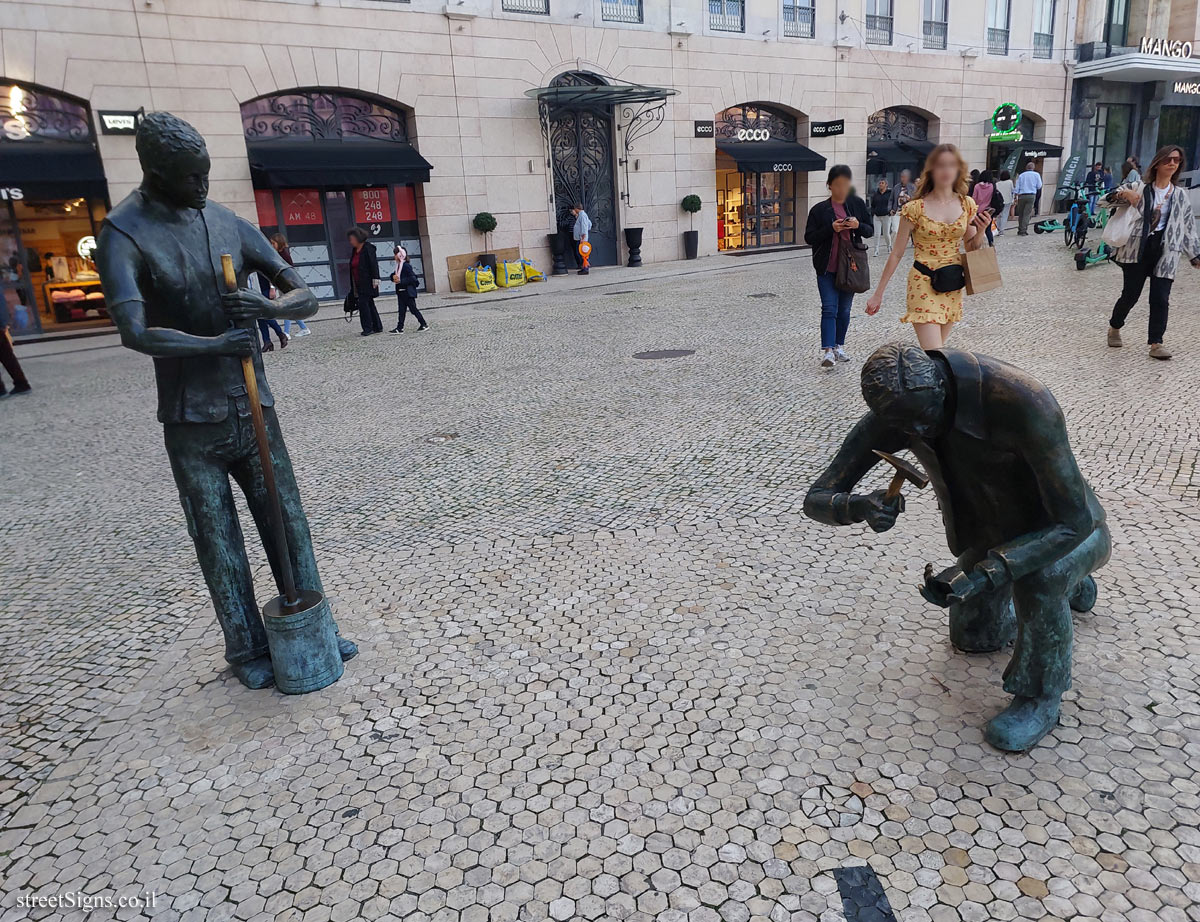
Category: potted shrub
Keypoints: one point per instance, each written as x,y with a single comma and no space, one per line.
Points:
485,223
691,238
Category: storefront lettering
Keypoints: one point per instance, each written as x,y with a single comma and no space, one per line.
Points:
825,129
301,206
754,134
1192,88
11,194
783,167
1165,48
372,206
15,130
120,122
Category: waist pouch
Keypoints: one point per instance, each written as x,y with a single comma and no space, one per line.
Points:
947,278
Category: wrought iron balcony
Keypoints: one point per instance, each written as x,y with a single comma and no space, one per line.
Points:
934,33
879,30
540,7
621,10
997,41
1043,45
799,21
727,15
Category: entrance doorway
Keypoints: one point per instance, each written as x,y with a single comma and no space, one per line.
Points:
581,155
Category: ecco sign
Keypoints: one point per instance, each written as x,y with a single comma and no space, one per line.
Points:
703,129
1165,48
754,134
783,167
11,194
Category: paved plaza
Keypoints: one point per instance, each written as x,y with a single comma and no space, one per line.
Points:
608,669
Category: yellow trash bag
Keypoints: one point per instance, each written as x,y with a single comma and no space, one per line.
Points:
532,274
480,279
510,274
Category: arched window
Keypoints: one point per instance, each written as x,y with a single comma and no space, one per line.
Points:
30,115
780,125
897,123
322,116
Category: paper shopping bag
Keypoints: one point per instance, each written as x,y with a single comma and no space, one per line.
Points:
982,270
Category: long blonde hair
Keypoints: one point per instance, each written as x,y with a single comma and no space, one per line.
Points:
925,183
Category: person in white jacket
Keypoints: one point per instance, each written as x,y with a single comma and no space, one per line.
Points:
583,226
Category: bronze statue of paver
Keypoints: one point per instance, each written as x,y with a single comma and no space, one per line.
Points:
160,260
1025,526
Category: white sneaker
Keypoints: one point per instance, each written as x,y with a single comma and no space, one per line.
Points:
840,353
827,360
303,332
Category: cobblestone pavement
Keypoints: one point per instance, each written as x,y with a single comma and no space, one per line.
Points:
608,670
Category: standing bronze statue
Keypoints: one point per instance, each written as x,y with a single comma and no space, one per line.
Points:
1025,526
160,260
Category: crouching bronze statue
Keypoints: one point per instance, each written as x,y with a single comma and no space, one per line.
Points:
162,256
1025,526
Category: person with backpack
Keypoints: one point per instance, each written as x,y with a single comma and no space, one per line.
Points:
1003,195
407,282
984,194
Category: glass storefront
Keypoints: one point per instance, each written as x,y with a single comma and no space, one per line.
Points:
315,222
761,172
324,161
755,209
1180,125
52,199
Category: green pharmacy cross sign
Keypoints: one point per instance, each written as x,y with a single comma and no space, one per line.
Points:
1006,121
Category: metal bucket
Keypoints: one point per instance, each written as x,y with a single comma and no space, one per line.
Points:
304,648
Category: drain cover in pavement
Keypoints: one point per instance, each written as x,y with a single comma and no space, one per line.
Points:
439,437
664,354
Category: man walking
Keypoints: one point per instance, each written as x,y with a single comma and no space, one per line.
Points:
159,256
583,226
1029,184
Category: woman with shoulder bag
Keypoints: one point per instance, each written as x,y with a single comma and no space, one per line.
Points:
835,231
407,282
939,218
1161,228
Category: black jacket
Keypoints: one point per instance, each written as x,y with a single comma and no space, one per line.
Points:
818,234
408,280
368,270
881,203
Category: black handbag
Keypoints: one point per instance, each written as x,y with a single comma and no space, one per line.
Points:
853,273
947,278
350,305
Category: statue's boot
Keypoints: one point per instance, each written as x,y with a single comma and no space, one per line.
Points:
984,624
255,673
1025,721
347,648
1083,598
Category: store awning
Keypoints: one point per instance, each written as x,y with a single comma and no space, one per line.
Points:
895,154
52,171
1032,150
598,97
772,156
336,163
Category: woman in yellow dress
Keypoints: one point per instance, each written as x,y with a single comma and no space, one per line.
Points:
939,217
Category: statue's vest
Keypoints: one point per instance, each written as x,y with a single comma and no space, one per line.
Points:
182,285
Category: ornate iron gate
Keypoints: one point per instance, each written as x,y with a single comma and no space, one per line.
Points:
582,156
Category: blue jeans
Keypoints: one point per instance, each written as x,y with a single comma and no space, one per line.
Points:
835,311
287,325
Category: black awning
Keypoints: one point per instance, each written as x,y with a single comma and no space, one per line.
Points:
52,171
772,156
336,163
1035,149
895,154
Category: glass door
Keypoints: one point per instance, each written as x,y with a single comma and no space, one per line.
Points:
15,287
770,210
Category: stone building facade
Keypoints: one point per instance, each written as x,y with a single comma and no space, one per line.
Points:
452,87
